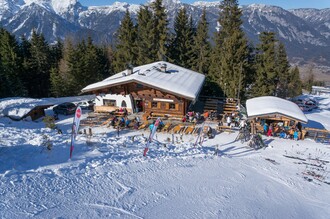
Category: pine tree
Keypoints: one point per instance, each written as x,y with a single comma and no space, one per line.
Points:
310,80
182,52
201,47
57,84
126,50
145,47
80,66
38,66
62,77
229,62
294,83
56,52
95,65
10,66
282,71
266,75
160,30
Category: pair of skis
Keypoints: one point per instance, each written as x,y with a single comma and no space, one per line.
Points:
200,136
151,136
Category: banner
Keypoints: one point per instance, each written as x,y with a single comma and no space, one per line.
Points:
75,128
151,136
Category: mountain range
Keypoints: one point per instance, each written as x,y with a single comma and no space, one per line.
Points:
305,32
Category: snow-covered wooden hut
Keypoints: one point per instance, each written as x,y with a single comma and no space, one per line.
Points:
160,87
274,109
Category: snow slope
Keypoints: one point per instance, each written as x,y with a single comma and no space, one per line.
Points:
109,177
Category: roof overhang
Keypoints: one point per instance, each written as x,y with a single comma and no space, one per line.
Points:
143,83
178,81
269,106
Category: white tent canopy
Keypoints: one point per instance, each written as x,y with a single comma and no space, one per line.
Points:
175,79
261,106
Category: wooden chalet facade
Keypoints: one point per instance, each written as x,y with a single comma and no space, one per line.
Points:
160,88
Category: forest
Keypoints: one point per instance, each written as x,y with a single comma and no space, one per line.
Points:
233,66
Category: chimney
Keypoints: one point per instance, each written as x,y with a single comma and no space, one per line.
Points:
163,68
129,69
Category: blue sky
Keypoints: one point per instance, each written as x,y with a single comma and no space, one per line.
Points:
287,4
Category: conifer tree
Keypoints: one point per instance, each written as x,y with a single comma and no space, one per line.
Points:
294,83
201,46
62,78
145,47
56,52
57,84
282,71
182,52
10,66
94,64
309,82
229,62
126,50
160,30
266,75
38,66
81,65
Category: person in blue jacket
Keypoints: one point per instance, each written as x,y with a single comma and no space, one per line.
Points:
295,135
265,128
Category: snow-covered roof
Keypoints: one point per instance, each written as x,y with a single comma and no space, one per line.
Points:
261,106
18,107
176,80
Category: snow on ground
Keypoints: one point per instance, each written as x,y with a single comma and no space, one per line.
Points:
109,177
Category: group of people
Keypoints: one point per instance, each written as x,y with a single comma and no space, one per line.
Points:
231,120
123,110
192,116
124,121
282,131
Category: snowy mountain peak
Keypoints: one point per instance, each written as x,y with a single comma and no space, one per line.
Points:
59,7
206,4
9,7
263,7
166,2
63,5
116,6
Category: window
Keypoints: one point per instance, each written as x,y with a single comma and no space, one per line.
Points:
154,104
172,106
123,103
109,102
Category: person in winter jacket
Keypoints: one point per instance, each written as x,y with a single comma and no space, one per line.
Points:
228,120
295,135
265,128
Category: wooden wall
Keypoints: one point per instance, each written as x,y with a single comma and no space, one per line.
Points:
149,95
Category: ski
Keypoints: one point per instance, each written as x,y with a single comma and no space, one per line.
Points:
199,134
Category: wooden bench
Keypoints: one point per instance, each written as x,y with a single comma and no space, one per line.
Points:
166,127
230,109
189,130
178,129
144,125
224,129
106,121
